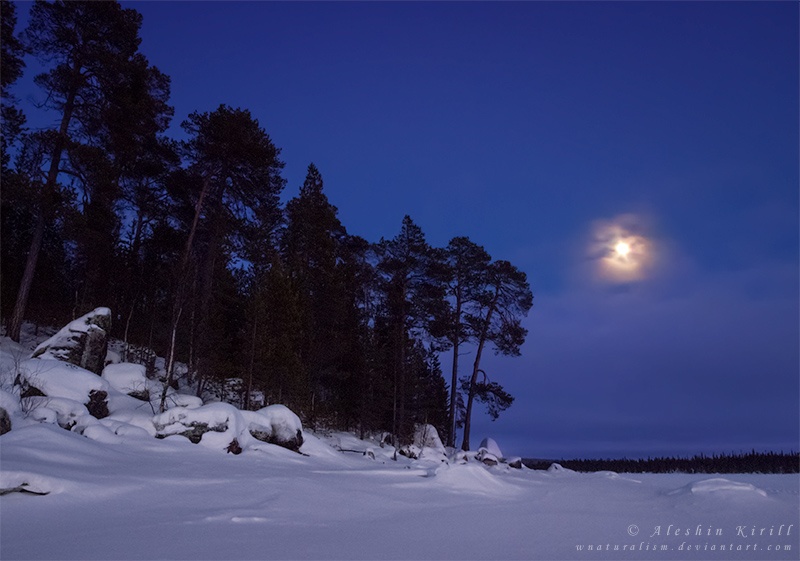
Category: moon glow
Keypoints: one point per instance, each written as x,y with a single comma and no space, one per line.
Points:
620,251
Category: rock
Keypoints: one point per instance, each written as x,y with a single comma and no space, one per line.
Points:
30,391
195,424
97,404
410,451
5,421
83,342
515,463
234,448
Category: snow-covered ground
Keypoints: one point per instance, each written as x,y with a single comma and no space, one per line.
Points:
107,489
144,498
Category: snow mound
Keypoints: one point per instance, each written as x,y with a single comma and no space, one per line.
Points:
67,413
23,481
9,402
720,487
126,377
183,400
558,469
473,478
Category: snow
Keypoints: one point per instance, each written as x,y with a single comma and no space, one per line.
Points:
184,501
722,487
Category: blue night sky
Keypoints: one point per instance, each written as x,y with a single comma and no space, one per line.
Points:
545,131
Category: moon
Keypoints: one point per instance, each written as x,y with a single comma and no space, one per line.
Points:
622,249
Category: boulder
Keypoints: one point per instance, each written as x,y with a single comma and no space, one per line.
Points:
491,447
515,463
410,451
97,404
276,424
83,342
485,456
196,424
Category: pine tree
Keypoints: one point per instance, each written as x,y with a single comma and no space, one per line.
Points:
313,248
495,317
88,46
413,300
11,52
466,266
234,176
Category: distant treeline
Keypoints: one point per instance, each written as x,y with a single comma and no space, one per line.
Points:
751,462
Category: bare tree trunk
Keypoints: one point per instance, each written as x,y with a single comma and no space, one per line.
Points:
177,308
17,317
252,362
170,361
451,437
38,235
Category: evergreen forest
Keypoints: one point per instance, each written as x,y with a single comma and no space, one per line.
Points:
190,244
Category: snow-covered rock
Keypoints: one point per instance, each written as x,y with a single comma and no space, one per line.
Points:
491,447
5,421
60,379
276,424
487,457
426,436
67,413
215,425
82,342
411,451
128,378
